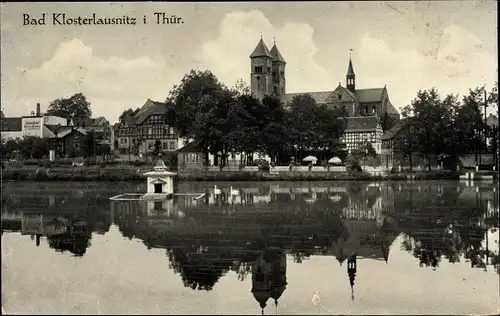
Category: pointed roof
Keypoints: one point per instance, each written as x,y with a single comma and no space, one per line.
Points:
276,54
261,50
160,170
350,69
160,165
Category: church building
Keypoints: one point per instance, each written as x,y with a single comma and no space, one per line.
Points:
365,107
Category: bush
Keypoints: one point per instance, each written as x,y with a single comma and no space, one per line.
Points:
170,159
263,165
137,163
355,166
41,174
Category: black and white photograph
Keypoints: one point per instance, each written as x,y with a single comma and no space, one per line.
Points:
250,158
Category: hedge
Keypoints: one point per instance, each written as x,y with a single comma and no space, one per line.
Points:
132,174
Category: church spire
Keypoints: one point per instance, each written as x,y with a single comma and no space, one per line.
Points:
261,50
351,271
276,53
350,77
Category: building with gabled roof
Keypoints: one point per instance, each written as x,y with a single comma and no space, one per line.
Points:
268,78
29,125
138,133
99,126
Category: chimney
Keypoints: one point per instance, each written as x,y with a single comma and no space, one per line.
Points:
38,109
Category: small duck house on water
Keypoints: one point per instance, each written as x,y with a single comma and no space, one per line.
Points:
159,186
160,181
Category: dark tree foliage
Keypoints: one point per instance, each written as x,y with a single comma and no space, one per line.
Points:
128,112
74,106
387,121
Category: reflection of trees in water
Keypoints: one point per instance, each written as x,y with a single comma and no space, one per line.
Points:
68,221
436,237
76,239
200,270
242,269
443,222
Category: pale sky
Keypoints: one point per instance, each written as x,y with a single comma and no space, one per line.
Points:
450,45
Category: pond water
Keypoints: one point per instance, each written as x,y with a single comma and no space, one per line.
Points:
275,248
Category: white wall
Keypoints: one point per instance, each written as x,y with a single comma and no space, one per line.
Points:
54,120
32,126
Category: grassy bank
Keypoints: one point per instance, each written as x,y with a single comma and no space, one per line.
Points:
136,174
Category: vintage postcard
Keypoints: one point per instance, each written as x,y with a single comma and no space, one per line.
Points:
245,158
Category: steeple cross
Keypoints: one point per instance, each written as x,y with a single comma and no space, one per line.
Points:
350,52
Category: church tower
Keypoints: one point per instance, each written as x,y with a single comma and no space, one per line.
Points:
261,61
350,77
278,71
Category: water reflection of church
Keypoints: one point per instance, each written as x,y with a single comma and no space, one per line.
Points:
204,240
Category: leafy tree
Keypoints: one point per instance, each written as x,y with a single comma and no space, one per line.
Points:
74,106
247,129
275,140
30,147
364,150
157,148
493,96
200,108
302,120
465,136
433,122
241,88
9,147
89,149
331,126
313,127
128,112
405,140
191,100
387,121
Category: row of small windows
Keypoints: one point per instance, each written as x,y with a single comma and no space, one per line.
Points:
170,145
282,74
259,69
276,89
191,158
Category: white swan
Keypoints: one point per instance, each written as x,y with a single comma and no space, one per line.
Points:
217,191
234,192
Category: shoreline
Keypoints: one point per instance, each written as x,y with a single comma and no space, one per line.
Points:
135,175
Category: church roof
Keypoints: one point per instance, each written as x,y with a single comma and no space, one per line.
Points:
319,96
361,123
350,69
261,50
369,95
391,109
361,95
276,54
